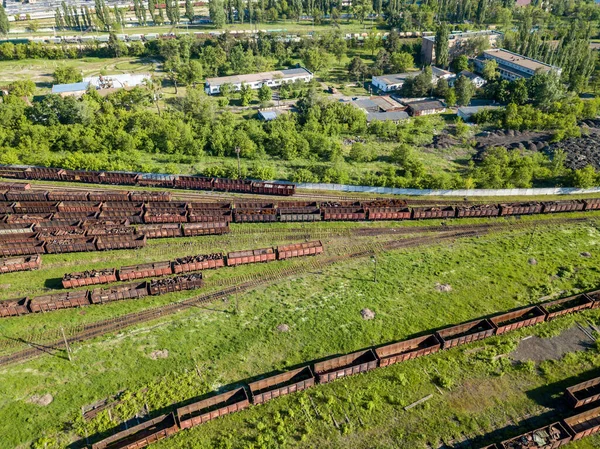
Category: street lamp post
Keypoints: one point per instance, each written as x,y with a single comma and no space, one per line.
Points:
375,273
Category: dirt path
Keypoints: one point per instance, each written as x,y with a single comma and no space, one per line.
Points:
539,349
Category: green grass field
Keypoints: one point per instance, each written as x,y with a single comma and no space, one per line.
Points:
210,347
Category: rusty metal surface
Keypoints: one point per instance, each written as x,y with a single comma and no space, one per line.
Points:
564,306
208,409
517,319
408,349
465,333
584,393
584,424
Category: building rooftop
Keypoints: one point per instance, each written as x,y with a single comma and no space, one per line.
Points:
393,116
73,87
117,81
466,35
425,105
514,58
256,77
396,78
469,74
439,73
470,110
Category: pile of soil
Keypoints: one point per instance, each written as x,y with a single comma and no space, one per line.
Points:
367,314
443,287
43,400
443,141
283,328
161,354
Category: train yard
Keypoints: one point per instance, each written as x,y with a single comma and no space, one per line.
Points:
257,297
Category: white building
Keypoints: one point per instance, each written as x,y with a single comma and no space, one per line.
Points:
125,80
513,66
438,74
257,80
392,82
477,80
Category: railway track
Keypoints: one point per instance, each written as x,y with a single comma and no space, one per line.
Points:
231,286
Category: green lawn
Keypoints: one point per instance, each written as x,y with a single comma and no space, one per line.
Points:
210,347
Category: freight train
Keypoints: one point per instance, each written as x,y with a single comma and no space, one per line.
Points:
191,263
298,379
148,179
160,286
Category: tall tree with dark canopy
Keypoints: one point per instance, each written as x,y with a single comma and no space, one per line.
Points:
4,24
442,36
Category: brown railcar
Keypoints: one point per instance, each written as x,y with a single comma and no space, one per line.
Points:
343,214
250,256
175,284
68,195
79,206
119,178
109,230
165,216
52,225
133,217
564,306
584,393
520,208
591,204
549,437
92,177
214,215
142,435
35,207
7,207
594,296
12,172
278,385
29,218
119,292
14,185
147,197
14,307
346,365
299,250
420,213
388,213
59,301
270,188
465,333
27,263
408,349
107,242
479,210
81,216
584,424
550,207
254,215
26,195
517,319
211,408
22,248
145,271
288,215
44,173
232,185
208,206
91,277
109,195
70,245
193,182
198,263
157,231
205,228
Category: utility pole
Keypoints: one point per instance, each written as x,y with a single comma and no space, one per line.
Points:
237,151
66,343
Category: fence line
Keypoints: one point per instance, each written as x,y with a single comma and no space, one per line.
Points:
457,193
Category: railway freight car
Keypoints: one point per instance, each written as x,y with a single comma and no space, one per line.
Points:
584,393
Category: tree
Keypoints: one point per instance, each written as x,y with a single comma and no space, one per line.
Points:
421,85
4,23
490,70
357,68
464,90
460,63
518,92
217,13
442,36
585,177
265,94
66,74
442,88
246,94
402,61
189,10
451,97
23,88
316,59
545,89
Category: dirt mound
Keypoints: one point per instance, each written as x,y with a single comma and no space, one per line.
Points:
367,314
283,328
585,254
159,354
532,261
42,400
443,287
443,141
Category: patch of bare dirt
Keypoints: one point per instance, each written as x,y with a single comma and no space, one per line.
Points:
532,261
41,400
367,314
553,348
159,354
283,328
443,287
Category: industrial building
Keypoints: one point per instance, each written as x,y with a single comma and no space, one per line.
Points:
457,43
257,80
513,66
